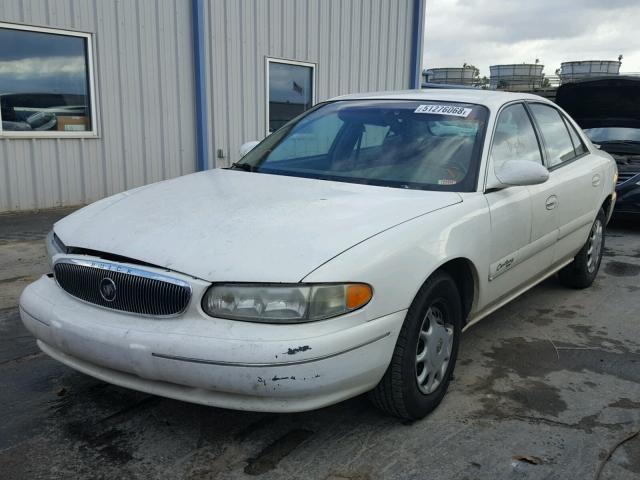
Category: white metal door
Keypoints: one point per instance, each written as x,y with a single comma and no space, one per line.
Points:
575,179
519,251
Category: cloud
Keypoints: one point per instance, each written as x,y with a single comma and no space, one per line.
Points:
20,44
487,32
50,74
42,67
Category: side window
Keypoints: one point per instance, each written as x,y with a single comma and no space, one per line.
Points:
514,138
578,144
555,134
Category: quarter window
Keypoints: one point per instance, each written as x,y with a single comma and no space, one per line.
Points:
555,134
45,82
514,138
578,144
290,91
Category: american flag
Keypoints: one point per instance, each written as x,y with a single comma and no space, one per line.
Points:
298,88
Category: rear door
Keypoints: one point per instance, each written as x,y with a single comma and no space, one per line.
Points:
575,173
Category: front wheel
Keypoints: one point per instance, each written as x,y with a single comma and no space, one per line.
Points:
583,270
425,355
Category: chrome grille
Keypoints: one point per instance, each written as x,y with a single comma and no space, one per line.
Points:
134,290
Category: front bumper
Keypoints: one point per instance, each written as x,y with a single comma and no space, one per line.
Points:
224,363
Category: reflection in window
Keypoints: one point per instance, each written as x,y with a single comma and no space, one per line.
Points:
44,82
515,138
313,139
578,144
290,92
555,134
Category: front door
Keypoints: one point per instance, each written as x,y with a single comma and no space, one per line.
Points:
519,232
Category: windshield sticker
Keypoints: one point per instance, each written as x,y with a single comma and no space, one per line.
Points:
447,181
444,110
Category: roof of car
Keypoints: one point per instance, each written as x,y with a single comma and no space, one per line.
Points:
490,98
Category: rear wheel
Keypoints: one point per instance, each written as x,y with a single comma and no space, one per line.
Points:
425,355
583,270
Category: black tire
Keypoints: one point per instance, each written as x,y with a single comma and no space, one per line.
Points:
398,393
583,270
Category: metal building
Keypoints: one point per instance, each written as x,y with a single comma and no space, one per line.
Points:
101,96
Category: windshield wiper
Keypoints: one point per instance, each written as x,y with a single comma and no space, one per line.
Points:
242,166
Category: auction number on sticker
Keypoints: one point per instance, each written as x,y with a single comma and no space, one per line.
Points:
444,110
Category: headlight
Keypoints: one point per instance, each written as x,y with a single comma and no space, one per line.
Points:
274,303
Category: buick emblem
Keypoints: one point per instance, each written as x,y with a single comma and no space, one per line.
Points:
108,289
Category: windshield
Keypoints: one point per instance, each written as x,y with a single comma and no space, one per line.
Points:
613,134
406,144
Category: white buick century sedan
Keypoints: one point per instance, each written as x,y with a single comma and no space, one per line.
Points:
343,254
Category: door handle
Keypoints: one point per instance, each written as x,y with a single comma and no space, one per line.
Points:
595,180
551,202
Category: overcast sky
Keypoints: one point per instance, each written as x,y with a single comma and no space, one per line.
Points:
488,32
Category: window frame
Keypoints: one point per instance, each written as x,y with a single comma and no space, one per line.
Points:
489,159
267,63
565,121
90,55
571,127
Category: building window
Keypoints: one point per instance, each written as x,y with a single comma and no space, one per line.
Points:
290,90
46,83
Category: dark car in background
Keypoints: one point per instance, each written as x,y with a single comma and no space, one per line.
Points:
44,111
608,109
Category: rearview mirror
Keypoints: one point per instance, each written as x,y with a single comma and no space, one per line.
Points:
247,147
514,173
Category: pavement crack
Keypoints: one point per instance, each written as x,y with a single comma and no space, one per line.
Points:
271,455
114,418
15,279
22,358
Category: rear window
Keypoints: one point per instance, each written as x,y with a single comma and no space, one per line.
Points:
406,144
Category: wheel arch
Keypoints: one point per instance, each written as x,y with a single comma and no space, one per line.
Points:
607,206
465,274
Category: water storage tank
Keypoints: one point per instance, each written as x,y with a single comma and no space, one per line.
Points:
516,77
452,76
570,71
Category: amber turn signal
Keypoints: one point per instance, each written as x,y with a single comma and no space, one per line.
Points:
358,294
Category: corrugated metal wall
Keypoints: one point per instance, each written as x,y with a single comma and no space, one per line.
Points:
358,45
144,83
144,86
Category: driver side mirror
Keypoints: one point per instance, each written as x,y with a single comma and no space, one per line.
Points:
247,147
515,173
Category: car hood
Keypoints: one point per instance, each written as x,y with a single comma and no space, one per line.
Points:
227,225
602,102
